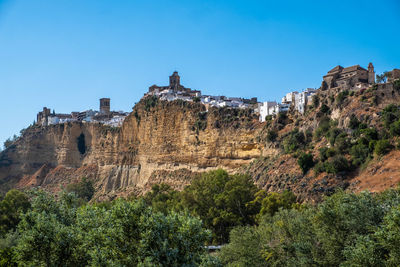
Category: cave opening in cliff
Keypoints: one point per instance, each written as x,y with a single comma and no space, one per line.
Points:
81,144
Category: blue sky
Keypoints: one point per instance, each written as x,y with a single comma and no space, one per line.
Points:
67,54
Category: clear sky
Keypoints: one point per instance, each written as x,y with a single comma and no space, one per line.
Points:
66,54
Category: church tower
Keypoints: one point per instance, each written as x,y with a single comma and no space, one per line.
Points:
371,74
174,81
104,105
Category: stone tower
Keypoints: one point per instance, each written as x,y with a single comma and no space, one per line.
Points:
104,105
174,81
371,74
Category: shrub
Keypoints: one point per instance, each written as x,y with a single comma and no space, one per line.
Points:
332,134
390,114
275,201
354,122
293,141
341,97
325,153
305,162
396,85
272,135
315,101
150,102
382,147
337,164
359,153
282,117
83,189
342,142
323,127
324,109
10,141
319,168
394,128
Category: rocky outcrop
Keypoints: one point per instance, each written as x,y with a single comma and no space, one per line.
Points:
157,139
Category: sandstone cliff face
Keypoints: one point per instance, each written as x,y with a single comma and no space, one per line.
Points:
172,139
173,142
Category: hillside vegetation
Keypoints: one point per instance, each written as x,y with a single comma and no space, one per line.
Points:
335,144
171,228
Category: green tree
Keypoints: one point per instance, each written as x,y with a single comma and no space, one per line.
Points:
337,164
340,220
83,189
275,201
306,162
162,198
382,147
63,233
11,207
359,154
221,201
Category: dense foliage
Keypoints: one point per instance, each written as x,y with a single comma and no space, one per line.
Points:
127,233
222,201
344,230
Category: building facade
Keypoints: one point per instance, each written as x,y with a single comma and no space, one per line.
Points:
347,78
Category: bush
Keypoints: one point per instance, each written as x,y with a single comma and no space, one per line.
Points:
315,101
359,153
325,153
337,164
294,141
382,147
332,134
83,189
323,127
354,122
394,128
319,168
305,162
273,202
150,102
272,135
396,85
10,141
390,114
341,97
324,109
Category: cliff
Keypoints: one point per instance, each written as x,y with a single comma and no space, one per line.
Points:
159,141
172,142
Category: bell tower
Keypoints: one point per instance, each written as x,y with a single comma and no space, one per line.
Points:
371,74
174,81
104,105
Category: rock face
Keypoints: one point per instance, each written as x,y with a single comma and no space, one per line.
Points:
172,139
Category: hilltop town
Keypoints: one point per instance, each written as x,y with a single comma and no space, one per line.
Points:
354,78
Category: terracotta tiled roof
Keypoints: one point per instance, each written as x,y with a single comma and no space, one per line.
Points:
336,69
352,68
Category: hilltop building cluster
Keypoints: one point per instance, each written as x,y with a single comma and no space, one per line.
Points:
354,78
104,116
297,100
175,91
338,79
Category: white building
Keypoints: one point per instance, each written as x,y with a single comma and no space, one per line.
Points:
267,108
